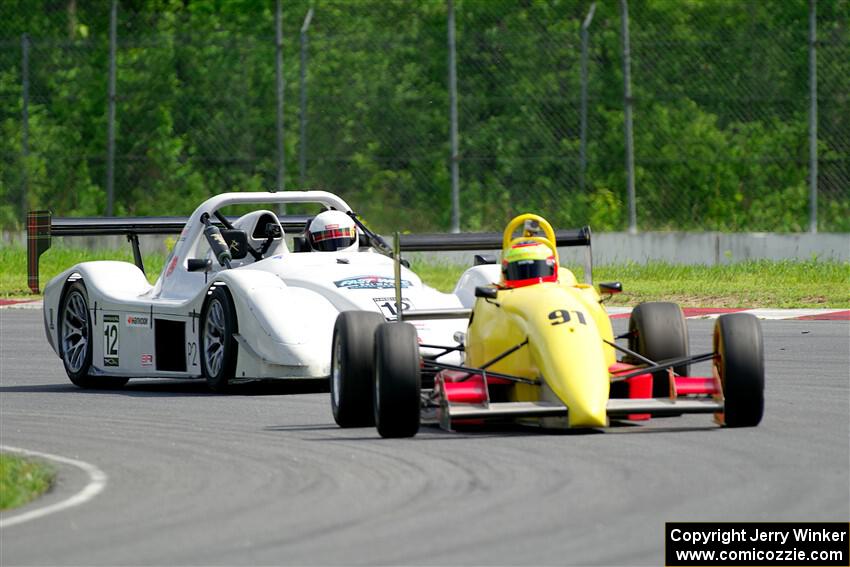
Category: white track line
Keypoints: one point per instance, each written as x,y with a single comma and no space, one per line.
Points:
37,304
96,484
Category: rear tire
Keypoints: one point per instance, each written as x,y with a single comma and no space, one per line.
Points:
397,380
75,340
353,367
218,347
739,360
658,331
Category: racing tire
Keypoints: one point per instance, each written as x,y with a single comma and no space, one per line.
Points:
397,380
658,331
75,340
217,342
353,367
739,361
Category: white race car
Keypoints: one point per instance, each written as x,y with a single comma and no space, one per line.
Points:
233,302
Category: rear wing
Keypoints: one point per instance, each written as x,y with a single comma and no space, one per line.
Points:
493,241
42,227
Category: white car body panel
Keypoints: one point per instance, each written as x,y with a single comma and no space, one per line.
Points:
286,304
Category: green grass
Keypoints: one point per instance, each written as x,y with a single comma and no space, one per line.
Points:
780,284
13,266
22,480
763,283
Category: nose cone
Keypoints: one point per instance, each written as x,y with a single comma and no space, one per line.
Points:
567,348
576,374
588,407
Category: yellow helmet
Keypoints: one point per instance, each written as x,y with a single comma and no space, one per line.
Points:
528,262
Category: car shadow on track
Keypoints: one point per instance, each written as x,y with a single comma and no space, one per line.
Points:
160,388
426,432
434,433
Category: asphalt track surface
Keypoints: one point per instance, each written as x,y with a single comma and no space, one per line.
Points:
265,477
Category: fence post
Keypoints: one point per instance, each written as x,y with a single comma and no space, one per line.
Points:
302,142
25,121
453,119
627,102
813,118
278,67
110,121
582,158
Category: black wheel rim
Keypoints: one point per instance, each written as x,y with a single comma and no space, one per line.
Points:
214,331
75,332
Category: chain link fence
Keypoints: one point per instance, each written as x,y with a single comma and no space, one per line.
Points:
720,92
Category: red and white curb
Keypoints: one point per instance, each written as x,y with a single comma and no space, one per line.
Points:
622,312
713,313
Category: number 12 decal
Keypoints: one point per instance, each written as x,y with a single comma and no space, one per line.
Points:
561,316
110,340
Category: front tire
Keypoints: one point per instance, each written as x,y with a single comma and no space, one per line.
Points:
658,331
353,367
75,340
739,360
397,380
218,346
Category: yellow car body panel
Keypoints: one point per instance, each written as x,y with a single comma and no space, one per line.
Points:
563,324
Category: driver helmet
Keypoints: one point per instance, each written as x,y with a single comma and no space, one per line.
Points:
527,263
332,231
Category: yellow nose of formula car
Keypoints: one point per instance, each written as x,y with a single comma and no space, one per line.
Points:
555,319
539,350
563,350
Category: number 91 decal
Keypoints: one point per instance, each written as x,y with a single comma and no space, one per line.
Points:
561,316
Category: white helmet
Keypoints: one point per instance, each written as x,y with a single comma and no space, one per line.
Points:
332,231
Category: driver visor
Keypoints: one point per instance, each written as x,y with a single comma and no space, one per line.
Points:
333,239
528,269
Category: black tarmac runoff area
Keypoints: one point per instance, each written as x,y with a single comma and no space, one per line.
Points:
265,477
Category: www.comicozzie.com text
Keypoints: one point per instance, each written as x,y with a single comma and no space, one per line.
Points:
743,534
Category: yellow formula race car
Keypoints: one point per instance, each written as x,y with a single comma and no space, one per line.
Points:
540,350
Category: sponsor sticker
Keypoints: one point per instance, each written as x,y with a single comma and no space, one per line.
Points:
171,265
111,343
137,321
369,282
147,360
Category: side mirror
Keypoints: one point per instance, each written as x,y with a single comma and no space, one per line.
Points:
611,287
237,242
486,292
483,259
198,265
